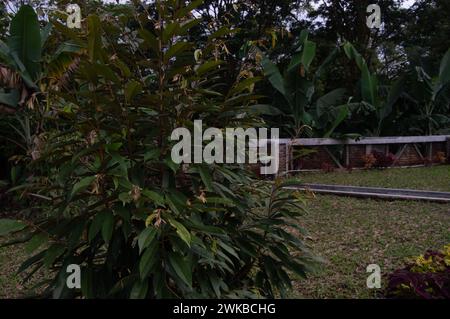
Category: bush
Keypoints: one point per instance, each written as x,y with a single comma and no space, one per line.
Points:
383,160
369,160
428,277
440,157
109,197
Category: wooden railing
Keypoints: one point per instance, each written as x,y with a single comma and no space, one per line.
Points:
407,152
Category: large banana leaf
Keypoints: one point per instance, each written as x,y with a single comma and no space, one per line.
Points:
328,100
369,82
444,71
273,75
342,113
24,41
394,93
308,54
10,98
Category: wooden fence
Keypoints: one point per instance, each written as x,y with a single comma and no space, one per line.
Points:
350,153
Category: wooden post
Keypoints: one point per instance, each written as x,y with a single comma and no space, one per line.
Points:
347,155
447,148
430,152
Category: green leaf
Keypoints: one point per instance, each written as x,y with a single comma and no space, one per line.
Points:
10,225
154,196
187,9
170,30
87,283
327,62
176,49
148,260
223,31
68,47
308,54
444,70
11,99
36,241
139,290
369,84
108,227
94,38
81,186
208,66
96,225
394,94
146,237
45,32
206,177
149,39
52,254
184,234
25,40
182,268
229,249
132,89
105,71
245,84
151,154
273,74
265,109
303,37
328,100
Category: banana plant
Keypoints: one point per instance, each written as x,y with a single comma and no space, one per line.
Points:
431,96
371,95
297,86
20,58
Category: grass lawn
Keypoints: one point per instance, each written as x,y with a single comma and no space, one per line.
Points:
10,283
435,178
351,233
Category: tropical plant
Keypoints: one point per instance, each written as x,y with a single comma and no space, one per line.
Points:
373,99
431,97
108,195
21,56
297,101
427,277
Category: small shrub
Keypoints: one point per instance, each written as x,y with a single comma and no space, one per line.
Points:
427,277
369,160
440,157
327,167
383,160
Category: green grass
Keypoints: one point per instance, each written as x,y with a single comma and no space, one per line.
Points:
436,178
10,282
351,233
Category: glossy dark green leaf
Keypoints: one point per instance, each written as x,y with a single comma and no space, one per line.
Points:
108,227
81,186
9,226
182,268
25,40
146,237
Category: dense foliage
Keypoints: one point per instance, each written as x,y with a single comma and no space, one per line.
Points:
428,277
